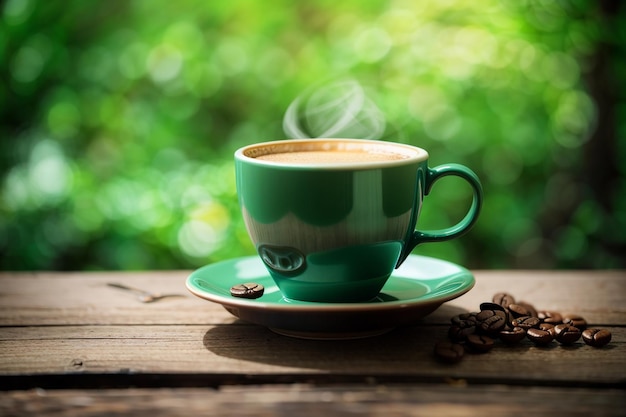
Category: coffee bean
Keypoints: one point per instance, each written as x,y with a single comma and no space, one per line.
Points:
596,337
491,321
540,337
480,343
517,310
575,320
247,290
464,319
449,352
526,322
504,299
492,306
549,327
551,317
512,336
567,334
532,311
459,334
512,321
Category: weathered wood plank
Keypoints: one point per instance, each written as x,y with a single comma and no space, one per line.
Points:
84,298
305,400
244,351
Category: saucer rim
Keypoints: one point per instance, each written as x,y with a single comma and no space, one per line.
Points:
308,307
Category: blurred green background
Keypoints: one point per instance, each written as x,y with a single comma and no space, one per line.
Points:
118,121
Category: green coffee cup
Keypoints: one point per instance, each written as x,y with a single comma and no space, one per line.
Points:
332,218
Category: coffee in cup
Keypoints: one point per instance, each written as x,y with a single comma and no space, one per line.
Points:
332,218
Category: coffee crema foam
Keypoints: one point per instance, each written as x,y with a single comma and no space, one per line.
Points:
331,156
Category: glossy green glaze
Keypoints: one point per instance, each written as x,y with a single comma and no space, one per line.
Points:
320,228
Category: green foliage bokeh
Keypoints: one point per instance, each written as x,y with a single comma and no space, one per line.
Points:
118,121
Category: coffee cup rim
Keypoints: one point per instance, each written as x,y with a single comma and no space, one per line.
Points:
413,153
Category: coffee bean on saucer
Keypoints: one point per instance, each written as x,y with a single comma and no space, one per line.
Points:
480,343
567,334
247,290
449,352
512,336
596,337
575,320
552,317
504,299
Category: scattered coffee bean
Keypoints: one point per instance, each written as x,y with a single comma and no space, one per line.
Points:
449,352
575,320
247,290
551,317
596,337
492,306
464,319
512,336
526,322
532,311
548,327
567,334
480,343
510,321
540,337
504,299
517,310
460,334
491,321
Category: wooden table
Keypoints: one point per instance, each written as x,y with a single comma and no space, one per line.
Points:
72,345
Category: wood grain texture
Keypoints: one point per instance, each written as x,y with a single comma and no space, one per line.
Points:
306,400
248,351
85,298
63,331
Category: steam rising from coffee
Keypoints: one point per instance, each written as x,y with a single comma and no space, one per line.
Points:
336,110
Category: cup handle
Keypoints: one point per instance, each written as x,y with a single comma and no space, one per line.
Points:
434,174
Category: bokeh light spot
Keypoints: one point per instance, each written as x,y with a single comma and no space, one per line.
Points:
96,64
49,175
571,242
275,67
64,118
521,236
372,44
198,239
561,69
441,122
15,190
203,79
503,165
573,118
230,56
423,98
31,59
27,64
132,61
16,12
184,36
164,63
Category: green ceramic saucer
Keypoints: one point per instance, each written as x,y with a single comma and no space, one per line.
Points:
414,290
